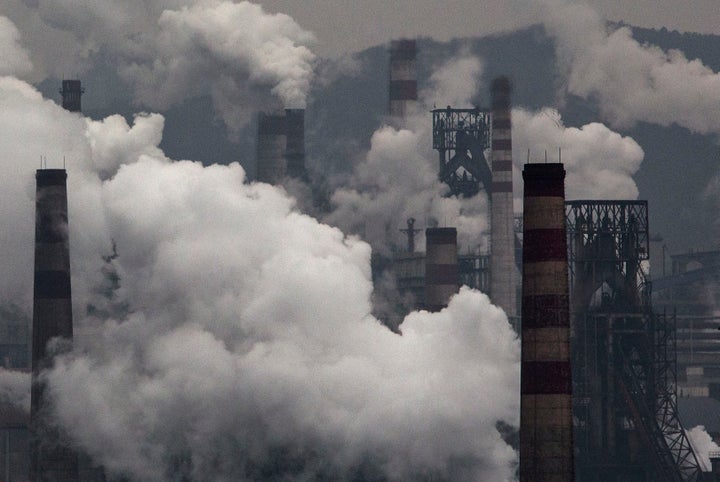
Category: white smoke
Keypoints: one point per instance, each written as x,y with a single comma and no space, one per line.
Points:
398,178
702,445
248,347
14,59
629,81
599,162
171,51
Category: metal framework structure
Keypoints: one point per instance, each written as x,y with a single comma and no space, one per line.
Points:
461,137
624,379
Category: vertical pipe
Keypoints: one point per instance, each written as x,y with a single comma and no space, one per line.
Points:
71,92
502,255
52,318
271,148
403,82
441,267
295,145
546,437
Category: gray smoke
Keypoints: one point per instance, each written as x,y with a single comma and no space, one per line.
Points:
398,178
631,82
172,50
600,163
247,350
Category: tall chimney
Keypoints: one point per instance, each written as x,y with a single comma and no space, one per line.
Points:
546,429
271,148
403,82
442,278
71,92
295,144
52,319
502,248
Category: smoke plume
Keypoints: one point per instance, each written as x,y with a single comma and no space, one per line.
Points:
600,163
702,445
172,51
630,82
246,349
398,177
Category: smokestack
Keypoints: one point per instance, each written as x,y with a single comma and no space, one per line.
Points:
442,278
71,92
52,319
403,83
546,430
295,145
502,248
271,148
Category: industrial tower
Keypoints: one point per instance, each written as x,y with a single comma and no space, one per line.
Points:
463,139
281,146
51,459
403,83
546,422
71,92
624,381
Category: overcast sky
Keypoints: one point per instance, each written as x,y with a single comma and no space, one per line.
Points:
350,25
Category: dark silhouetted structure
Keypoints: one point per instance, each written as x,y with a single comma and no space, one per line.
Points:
72,92
442,278
461,136
281,146
52,320
624,404
546,423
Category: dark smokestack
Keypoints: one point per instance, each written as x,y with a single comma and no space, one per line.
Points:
403,82
52,319
71,92
546,430
271,148
295,146
442,278
502,248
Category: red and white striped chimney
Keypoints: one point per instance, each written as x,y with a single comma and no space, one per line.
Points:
546,429
503,284
403,81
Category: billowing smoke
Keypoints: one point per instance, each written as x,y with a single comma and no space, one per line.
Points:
246,348
14,59
600,163
629,81
702,445
172,51
398,178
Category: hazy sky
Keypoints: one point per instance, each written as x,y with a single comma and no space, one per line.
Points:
349,25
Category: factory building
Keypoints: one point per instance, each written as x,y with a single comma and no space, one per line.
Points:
691,290
627,425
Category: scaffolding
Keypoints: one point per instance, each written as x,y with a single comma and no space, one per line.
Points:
624,379
461,137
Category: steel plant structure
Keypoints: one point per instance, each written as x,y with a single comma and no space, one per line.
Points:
624,381
461,137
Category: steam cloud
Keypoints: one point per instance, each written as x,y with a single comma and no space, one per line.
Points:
702,445
398,178
631,82
600,163
171,51
247,348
